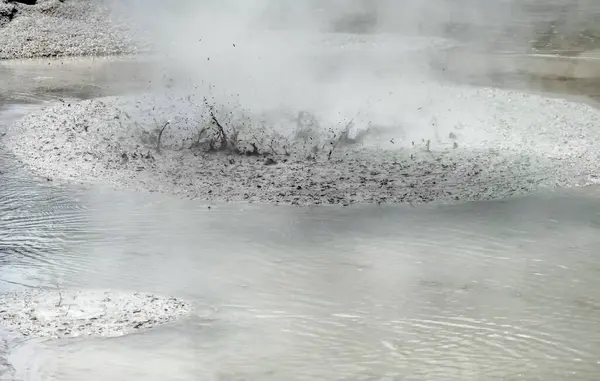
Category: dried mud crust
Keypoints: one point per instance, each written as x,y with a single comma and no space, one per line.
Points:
77,313
115,141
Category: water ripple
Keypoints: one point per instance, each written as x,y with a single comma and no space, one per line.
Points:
304,294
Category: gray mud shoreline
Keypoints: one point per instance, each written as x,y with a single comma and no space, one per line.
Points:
32,316
114,141
79,313
59,28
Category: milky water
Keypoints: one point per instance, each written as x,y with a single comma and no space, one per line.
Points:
495,290
490,290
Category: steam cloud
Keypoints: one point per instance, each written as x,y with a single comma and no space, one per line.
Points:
334,58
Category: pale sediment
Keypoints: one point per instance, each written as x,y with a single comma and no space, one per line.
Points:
79,313
55,28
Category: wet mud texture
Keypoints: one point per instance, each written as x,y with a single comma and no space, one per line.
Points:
77,313
55,28
508,144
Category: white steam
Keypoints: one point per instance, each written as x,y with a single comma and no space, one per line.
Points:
339,59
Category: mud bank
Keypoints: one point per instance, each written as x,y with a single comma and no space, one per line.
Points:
468,144
78,313
55,28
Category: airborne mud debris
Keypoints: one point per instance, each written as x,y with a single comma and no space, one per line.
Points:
199,151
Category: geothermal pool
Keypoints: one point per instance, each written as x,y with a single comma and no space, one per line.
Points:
489,290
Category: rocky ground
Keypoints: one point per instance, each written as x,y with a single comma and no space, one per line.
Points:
77,313
509,144
51,28
54,28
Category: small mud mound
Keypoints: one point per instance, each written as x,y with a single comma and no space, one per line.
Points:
73,313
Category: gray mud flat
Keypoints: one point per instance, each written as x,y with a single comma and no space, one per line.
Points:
53,28
79,313
508,144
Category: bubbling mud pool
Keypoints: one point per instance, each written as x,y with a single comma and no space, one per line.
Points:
485,290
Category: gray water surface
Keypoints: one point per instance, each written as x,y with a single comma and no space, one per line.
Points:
483,291
499,290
